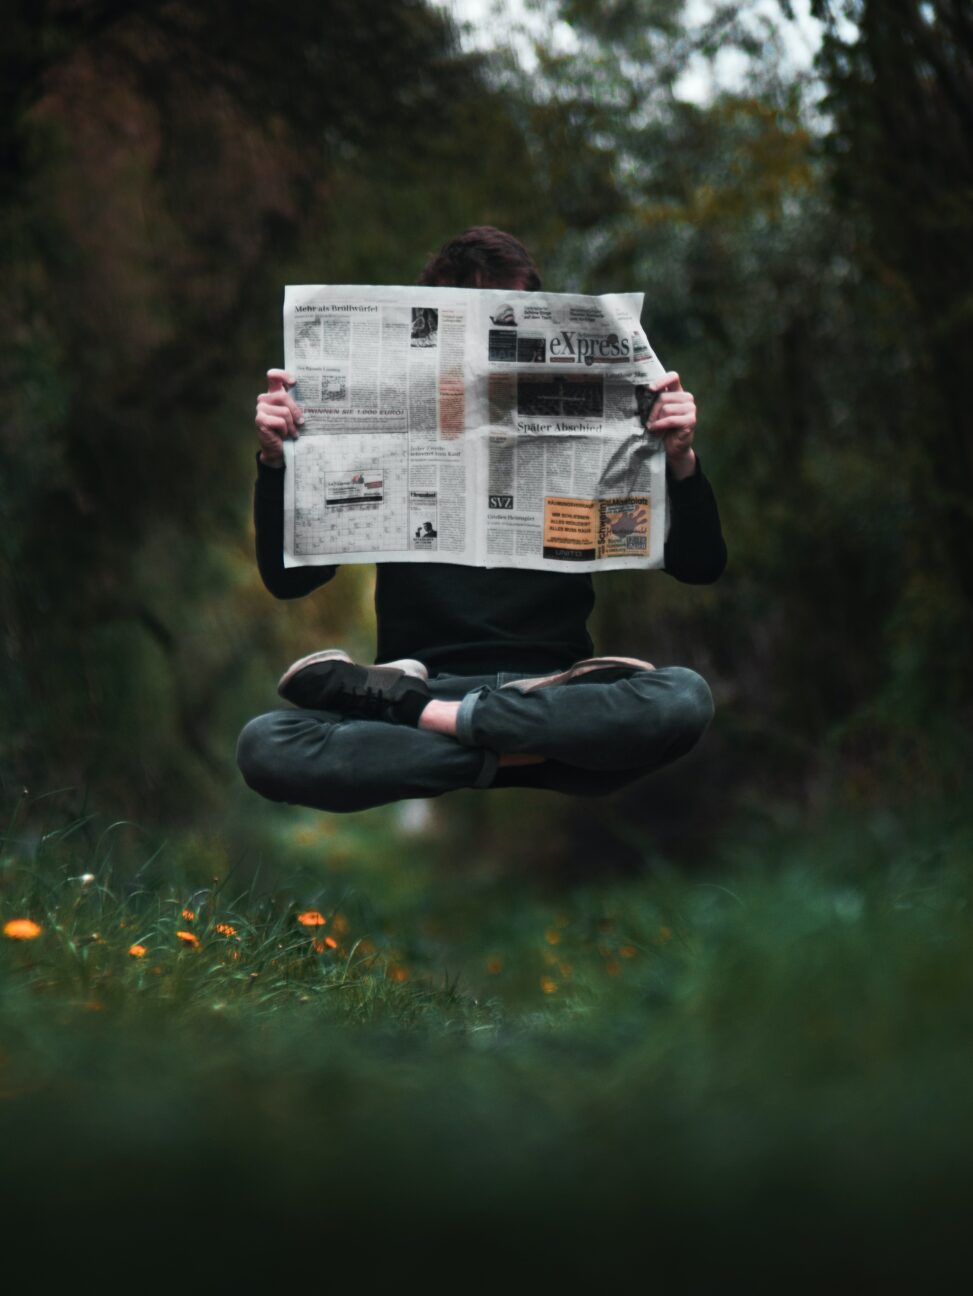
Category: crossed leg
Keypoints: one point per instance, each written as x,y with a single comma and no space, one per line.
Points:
585,738
445,717
640,722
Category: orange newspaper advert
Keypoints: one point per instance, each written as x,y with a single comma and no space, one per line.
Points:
570,529
580,530
623,530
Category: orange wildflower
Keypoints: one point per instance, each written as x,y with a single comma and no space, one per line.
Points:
320,946
552,935
137,951
311,918
188,915
628,951
548,985
188,938
398,973
225,929
21,929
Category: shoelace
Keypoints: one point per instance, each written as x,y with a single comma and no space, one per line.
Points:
367,701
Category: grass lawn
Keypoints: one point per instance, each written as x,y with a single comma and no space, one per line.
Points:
368,1057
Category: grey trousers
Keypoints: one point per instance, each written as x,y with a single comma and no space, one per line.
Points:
597,737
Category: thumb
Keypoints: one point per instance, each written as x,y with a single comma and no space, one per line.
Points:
278,379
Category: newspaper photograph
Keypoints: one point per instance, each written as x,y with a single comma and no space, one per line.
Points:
475,426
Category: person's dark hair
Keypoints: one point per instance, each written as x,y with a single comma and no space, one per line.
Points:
481,257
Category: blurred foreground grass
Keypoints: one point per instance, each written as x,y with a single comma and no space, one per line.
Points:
764,1061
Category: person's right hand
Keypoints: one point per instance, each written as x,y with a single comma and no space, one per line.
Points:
278,416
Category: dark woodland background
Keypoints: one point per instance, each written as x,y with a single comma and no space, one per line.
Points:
805,249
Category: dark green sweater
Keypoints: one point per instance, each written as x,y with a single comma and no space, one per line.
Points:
476,620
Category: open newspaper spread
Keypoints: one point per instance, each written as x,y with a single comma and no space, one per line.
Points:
475,426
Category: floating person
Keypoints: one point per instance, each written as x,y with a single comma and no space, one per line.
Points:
484,677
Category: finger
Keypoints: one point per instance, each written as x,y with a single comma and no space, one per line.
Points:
670,380
278,378
275,410
279,425
667,416
677,421
283,398
274,423
674,406
286,412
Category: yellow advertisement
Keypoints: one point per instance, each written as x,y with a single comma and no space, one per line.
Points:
570,529
579,530
623,530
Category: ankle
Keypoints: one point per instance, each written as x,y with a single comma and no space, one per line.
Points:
439,717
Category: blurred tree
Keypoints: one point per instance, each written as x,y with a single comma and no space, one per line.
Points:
900,78
168,167
165,164
763,293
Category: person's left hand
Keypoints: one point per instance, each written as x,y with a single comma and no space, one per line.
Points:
673,417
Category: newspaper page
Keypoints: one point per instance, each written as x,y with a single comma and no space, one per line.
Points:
474,426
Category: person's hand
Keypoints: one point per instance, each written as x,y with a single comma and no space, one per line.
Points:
673,417
278,416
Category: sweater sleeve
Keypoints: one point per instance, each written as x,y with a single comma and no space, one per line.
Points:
268,523
695,551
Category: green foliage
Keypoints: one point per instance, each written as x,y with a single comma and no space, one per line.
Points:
900,78
164,173
836,639
169,169
753,1052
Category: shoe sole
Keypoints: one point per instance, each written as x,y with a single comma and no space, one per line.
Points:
404,666
587,667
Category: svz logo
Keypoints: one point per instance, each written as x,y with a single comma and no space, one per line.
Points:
501,501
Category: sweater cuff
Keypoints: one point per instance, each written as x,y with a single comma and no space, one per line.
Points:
267,474
687,487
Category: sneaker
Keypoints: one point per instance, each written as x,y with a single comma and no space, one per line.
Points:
593,670
395,692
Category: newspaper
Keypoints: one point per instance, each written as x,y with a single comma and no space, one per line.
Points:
474,426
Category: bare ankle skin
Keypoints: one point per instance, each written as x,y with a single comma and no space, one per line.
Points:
440,717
